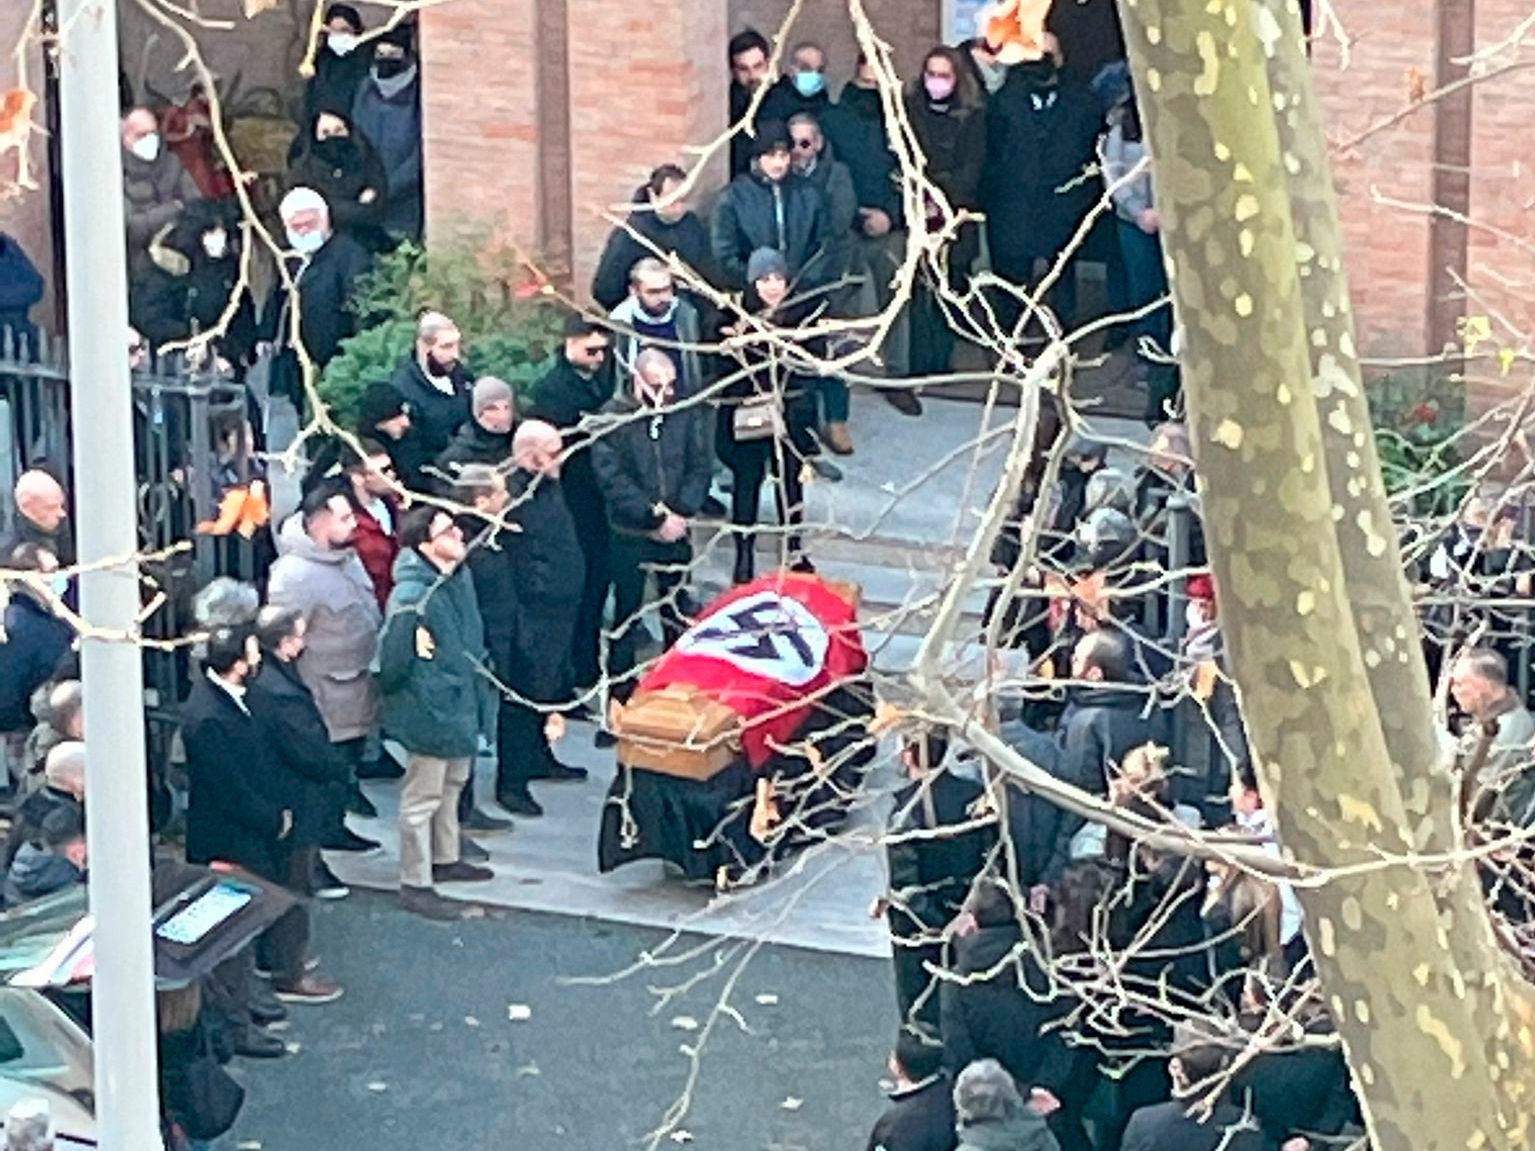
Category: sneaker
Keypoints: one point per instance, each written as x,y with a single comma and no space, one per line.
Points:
348,840
904,400
520,803
310,990
553,771
461,872
470,850
359,804
327,886
835,437
483,821
425,902
824,468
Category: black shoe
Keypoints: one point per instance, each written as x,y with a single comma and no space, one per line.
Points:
713,508
359,804
263,1008
520,803
384,767
258,1044
687,606
904,400
327,886
746,563
824,468
427,903
553,771
604,738
470,850
483,821
803,566
348,840
461,872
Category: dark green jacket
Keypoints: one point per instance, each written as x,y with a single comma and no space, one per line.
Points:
438,705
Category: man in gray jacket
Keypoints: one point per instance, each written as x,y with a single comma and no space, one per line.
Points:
319,575
156,188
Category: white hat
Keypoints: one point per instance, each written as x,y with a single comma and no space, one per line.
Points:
29,1126
302,200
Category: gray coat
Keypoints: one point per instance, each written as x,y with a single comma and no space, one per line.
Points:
335,595
155,193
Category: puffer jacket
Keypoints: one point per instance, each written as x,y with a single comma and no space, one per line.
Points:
332,590
790,216
431,662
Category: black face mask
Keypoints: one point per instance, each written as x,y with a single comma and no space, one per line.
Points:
387,66
333,148
1035,75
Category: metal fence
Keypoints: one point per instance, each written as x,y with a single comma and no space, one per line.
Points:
190,445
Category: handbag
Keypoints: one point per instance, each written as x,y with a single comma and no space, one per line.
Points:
760,418
213,1096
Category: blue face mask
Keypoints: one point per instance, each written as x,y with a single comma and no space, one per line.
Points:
809,84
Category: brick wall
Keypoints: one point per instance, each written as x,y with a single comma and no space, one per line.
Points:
24,214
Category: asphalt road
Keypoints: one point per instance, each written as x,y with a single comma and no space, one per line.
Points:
422,1053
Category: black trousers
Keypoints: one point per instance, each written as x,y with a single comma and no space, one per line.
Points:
283,947
522,749
634,560
750,465
585,643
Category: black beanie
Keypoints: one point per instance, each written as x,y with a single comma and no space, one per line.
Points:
380,402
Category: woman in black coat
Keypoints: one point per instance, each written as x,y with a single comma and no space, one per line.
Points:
338,163
670,226
947,110
765,416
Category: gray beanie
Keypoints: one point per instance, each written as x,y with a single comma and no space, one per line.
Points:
489,390
766,262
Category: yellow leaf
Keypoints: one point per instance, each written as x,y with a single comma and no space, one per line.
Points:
1506,358
257,7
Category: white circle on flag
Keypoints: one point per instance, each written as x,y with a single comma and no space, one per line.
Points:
763,634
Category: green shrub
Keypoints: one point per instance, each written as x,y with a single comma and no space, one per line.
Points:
1418,421
509,331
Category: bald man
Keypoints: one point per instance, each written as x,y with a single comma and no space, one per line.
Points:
42,517
550,569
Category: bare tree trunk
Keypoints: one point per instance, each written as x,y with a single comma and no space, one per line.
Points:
1286,548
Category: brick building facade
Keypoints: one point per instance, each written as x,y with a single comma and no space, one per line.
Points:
539,117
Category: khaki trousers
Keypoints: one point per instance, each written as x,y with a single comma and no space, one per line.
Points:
429,815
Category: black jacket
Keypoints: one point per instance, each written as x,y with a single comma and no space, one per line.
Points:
688,239
1167,1127
644,460
550,571
21,286
564,397
856,129
312,767
783,101
435,415
325,286
790,216
495,590
235,791
36,643
1299,1091
920,1118
27,824
342,169
1004,1016
471,444
930,877
953,141
333,87
1101,725
1040,148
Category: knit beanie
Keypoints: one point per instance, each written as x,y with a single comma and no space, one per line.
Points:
766,262
380,401
489,390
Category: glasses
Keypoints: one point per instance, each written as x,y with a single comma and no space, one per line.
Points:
596,349
451,530
803,144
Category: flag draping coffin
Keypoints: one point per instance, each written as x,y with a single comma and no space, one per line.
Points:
745,677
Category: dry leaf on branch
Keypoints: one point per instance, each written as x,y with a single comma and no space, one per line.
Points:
257,7
519,1012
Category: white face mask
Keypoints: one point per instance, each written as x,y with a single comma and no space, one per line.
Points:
305,243
341,43
146,148
216,244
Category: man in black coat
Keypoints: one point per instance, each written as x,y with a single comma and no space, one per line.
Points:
317,771
771,206
921,1112
1041,149
485,438
930,875
325,271
21,286
63,787
383,415
1180,1124
241,799
434,381
568,397
750,57
653,464
37,643
542,572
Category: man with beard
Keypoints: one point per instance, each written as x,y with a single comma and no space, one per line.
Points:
319,576
435,383
572,392
546,562
750,69
653,315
